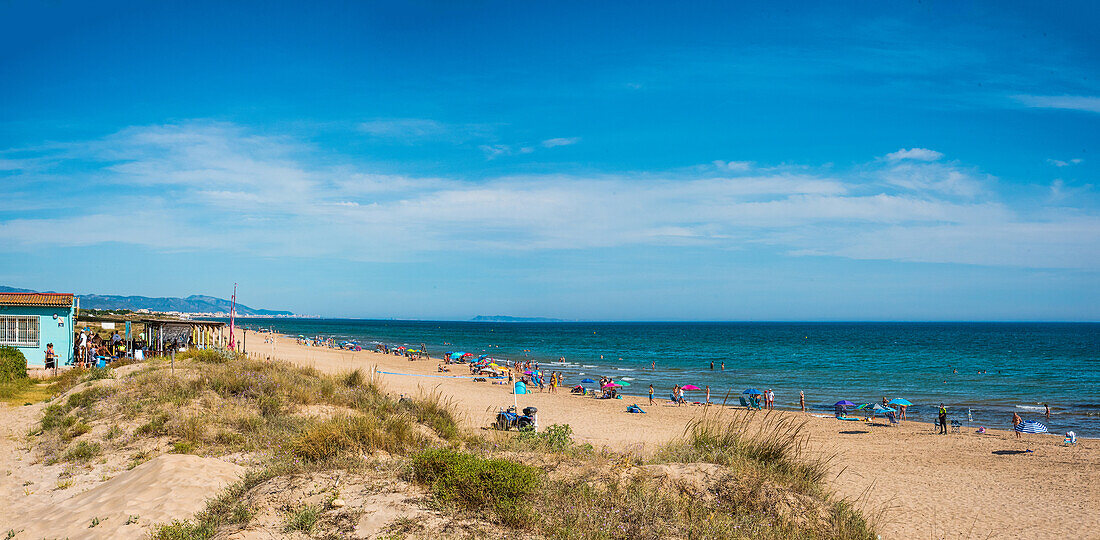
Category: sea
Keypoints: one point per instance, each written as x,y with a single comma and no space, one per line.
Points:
982,372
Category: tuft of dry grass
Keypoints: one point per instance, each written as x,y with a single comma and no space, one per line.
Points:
773,444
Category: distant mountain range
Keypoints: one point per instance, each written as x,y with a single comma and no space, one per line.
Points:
195,303
505,318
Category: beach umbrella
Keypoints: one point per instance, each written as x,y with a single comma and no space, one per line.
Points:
753,392
584,381
844,403
454,356
690,387
612,385
900,401
1031,426
623,383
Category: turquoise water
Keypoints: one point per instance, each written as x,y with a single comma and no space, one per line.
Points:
1001,367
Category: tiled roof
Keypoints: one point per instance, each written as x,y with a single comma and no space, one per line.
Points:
36,299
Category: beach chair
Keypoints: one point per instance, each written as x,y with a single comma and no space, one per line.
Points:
956,426
1071,439
744,403
893,418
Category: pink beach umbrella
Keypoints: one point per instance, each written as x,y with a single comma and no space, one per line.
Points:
612,385
690,387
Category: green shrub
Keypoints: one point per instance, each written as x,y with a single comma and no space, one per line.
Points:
556,438
183,530
13,365
82,451
303,519
477,483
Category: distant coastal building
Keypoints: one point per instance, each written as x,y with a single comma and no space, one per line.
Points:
30,321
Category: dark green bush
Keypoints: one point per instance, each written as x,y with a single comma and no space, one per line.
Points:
13,365
477,483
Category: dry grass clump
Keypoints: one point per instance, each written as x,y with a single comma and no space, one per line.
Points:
774,445
357,434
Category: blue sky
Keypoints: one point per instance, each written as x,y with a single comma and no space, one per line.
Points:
633,161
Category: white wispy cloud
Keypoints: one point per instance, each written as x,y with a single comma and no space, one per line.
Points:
1065,163
414,130
205,185
917,154
736,166
560,141
1074,103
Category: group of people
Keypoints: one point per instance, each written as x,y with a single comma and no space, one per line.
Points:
89,345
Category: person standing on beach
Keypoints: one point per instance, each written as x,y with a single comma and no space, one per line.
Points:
802,400
651,394
708,395
1015,422
943,420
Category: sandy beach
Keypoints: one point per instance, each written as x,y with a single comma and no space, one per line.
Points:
919,484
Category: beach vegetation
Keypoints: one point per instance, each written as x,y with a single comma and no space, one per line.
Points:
303,518
774,446
13,365
82,451
477,483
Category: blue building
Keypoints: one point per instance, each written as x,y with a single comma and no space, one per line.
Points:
30,321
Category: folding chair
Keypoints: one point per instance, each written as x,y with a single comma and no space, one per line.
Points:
956,426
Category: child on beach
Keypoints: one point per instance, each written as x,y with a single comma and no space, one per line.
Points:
651,394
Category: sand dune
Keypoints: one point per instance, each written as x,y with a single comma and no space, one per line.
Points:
167,487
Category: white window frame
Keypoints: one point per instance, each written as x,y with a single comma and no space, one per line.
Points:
20,330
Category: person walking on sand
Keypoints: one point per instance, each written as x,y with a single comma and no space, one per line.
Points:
651,394
802,400
1015,422
943,419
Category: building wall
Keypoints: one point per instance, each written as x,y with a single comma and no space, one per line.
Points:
59,332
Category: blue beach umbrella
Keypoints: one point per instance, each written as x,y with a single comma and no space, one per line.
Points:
587,381
753,392
1031,426
901,401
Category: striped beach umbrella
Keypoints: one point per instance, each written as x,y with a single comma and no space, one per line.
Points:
1031,426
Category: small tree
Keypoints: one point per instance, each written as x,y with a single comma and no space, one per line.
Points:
13,365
